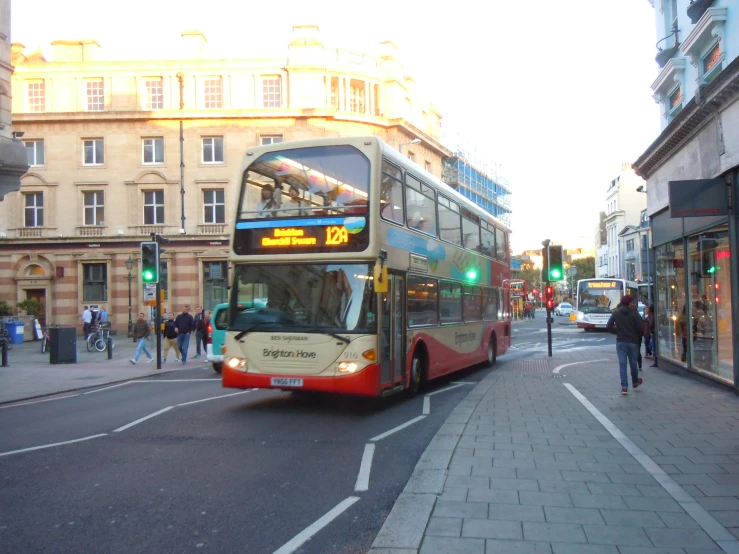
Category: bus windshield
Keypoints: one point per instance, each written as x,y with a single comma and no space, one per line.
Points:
315,298
303,182
598,296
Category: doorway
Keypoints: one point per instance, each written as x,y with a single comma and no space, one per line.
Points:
392,333
38,295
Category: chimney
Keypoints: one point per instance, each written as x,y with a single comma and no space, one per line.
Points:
305,35
75,50
16,53
194,43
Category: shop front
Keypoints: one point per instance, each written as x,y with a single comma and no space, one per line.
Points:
693,296
692,174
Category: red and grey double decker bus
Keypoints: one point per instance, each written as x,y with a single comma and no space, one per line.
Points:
355,271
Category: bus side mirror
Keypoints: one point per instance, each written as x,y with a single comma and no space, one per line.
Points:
380,279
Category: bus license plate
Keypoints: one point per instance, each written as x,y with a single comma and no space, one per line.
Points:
286,382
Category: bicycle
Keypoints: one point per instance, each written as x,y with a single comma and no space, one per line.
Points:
46,339
98,339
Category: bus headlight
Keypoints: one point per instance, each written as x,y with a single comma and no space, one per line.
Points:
580,316
236,363
348,367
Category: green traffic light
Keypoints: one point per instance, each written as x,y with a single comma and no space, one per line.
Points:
148,275
555,274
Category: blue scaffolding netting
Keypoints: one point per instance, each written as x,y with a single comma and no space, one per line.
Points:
484,190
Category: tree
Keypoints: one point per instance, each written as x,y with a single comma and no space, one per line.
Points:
585,268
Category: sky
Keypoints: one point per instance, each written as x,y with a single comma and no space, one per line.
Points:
556,94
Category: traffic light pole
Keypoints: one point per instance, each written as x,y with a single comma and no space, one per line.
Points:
158,325
549,327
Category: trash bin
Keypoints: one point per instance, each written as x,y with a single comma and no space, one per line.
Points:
15,331
63,345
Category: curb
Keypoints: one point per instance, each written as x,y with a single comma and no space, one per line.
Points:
402,532
75,389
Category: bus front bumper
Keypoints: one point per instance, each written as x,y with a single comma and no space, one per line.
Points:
583,325
363,383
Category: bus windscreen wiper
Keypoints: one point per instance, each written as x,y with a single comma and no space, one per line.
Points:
240,335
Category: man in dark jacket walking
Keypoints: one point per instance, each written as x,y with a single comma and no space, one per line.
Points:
626,323
184,325
199,316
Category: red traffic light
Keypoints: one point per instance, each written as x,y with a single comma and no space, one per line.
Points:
550,304
550,291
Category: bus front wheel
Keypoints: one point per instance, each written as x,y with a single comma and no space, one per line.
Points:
418,372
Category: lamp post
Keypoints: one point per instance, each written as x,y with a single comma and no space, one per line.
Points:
414,141
129,267
640,188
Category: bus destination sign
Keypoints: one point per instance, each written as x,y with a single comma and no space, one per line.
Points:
310,235
602,284
282,238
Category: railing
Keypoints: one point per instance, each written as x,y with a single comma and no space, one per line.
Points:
149,229
91,231
212,229
30,232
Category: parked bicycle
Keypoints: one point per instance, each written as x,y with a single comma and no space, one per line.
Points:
98,338
46,339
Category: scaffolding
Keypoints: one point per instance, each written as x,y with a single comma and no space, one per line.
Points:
477,178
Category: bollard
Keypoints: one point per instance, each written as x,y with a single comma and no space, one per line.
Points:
5,351
110,348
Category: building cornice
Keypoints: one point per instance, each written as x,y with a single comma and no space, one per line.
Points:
722,90
669,74
711,22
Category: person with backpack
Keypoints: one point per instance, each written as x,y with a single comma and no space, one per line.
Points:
626,323
170,338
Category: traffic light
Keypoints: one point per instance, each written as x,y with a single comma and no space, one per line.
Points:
549,295
150,262
555,267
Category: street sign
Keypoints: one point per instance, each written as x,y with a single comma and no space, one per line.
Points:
573,270
150,293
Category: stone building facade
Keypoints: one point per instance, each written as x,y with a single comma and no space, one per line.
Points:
12,158
122,149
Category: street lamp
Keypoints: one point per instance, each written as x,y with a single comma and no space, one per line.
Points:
129,267
414,141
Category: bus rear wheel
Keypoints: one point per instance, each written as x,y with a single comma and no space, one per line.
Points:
492,351
217,367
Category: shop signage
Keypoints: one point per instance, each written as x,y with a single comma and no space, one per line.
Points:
698,198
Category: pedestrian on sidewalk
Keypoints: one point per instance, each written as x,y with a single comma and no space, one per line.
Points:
647,334
185,326
198,326
652,334
86,321
626,323
103,317
170,338
204,333
141,331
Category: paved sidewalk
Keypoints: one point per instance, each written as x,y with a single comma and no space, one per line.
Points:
522,465
30,374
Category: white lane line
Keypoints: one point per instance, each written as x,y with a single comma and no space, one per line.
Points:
463,383
108,388
52,444
398,428
702,517
142,419
426,405
213,398
171,380
362,483
446,389
296,542
37,401
559,367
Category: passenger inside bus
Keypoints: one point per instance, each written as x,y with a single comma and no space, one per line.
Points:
268,204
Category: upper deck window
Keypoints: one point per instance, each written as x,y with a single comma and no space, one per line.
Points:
306,181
